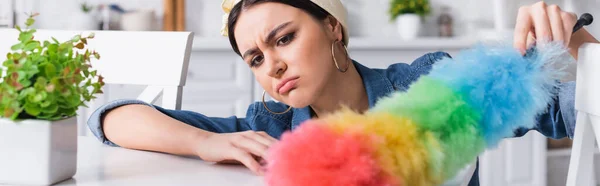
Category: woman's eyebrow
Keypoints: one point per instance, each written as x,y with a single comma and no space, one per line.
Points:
249,52
269,37
276,30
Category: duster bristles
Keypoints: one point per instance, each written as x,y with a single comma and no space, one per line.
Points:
424,136
437,109
400,145
321,156
507,88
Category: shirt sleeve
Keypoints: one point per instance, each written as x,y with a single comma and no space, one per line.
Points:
559,120
212,124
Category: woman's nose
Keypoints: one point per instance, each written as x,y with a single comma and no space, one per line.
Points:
277,68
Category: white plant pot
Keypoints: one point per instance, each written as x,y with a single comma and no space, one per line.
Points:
37,152
408,25
140,20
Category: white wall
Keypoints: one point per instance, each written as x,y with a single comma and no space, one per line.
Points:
368,18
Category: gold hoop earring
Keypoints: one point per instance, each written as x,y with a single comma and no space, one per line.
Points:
335,61
265,105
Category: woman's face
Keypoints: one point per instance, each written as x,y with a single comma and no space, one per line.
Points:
288,51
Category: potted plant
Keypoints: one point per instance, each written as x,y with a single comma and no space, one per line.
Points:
42,85
408,14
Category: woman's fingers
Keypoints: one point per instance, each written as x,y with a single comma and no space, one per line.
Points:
247,159
251,145
530,39
260,137
541,22
568,19
556,24
522,29
266,136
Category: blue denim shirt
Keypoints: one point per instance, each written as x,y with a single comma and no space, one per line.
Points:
557,123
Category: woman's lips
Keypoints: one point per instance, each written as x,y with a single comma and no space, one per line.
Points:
287,85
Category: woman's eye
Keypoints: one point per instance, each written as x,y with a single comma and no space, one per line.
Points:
285,39
257,60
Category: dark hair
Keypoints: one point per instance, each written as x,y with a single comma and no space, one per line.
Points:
308,6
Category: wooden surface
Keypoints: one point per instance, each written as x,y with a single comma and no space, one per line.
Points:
169,15
180,15
174,15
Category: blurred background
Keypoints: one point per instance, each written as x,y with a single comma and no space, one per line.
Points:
382,32
367,18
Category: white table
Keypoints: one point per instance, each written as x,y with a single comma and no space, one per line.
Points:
100,164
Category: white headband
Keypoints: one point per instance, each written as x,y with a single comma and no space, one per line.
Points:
333,7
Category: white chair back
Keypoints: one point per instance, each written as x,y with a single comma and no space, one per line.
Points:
587,104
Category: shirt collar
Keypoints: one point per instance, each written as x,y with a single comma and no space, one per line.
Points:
376,84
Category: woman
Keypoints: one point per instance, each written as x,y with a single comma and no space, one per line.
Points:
297,52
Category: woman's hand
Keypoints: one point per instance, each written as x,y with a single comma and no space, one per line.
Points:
548,23
248,147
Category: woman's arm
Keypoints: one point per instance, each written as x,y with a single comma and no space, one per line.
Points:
141,127
137,125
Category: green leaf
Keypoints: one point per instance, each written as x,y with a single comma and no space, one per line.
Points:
26,83
76,38
50,69
17,46
16,56
37,98
21,75
74,100
52,108
25,37
97,55
18,28
55,41
91,36
16,114
46,43
29,22
45,103
23,60
26,92
42,82
52,48
32,45
66,93
9,56
32,109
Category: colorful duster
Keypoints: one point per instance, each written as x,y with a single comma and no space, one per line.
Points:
424,136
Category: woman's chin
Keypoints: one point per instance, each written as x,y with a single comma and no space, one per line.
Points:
298,99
